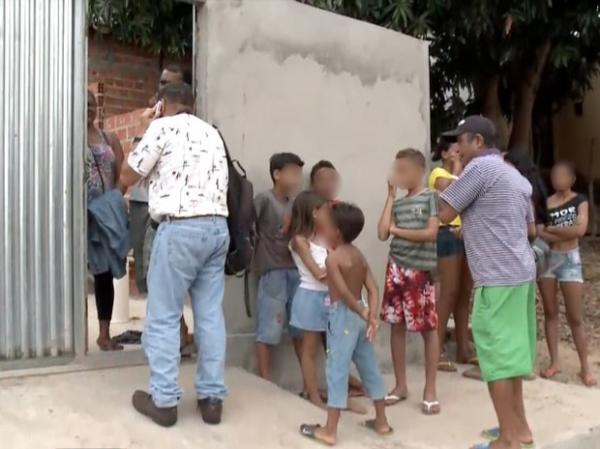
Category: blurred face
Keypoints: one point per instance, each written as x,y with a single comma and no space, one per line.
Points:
167,77
289,178
91,108
326,183
469,146
451,154
407,174
328,229
562,178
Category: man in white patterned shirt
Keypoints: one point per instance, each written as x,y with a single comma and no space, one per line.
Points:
185,163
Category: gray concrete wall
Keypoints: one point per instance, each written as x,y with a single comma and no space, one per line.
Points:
277,75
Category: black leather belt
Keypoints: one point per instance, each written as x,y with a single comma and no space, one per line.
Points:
169,219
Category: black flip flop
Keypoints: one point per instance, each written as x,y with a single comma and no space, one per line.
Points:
308,431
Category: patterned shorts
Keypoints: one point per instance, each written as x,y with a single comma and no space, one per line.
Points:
409,297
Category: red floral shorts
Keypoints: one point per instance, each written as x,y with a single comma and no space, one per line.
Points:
409,297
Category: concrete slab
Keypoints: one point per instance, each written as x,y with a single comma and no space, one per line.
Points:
92,410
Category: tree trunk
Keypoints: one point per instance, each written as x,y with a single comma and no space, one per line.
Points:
487,94
520,137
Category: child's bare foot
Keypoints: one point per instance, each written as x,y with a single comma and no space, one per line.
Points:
317,433
588,379
355,407
398,394
550,372
381,428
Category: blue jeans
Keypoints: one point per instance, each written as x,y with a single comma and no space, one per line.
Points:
347,342
187,255
276,289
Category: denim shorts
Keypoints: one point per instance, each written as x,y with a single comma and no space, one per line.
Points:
347,342
309,311
448,244
565,266
276,290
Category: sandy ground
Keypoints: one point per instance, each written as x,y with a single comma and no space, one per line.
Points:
93,410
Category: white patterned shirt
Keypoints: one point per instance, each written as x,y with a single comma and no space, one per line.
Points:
183,159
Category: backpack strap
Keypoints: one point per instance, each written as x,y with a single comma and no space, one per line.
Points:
227,154
247,294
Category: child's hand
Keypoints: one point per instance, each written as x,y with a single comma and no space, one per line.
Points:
372,327
391,188
365,314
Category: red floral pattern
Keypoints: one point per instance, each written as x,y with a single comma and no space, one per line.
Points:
409,297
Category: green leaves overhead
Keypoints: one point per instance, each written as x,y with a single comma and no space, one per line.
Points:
163,27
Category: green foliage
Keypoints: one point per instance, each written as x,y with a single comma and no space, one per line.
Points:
473,41
161,26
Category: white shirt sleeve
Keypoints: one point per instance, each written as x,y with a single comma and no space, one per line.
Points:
147,152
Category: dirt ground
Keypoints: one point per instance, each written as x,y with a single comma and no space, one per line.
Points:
568,356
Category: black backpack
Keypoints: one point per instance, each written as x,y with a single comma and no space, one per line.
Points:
242,218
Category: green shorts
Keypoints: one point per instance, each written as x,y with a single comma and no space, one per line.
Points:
504,330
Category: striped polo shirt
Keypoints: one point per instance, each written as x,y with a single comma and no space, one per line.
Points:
494,202
413,212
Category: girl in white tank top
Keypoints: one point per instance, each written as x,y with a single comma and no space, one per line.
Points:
309,308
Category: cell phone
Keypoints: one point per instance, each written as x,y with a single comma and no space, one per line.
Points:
158,108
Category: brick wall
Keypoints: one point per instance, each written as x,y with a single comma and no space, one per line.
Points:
127,75
126,126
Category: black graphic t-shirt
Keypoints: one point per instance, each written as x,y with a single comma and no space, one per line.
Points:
565,215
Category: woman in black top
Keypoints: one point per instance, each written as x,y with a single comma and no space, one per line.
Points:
567,222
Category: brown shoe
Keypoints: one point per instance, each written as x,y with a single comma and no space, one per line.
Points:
163,416
211,410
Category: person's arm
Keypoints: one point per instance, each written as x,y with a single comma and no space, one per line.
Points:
385,222
461,193
337,283
442,184
373,303
531,227
578,230
142,160
427,234
115,144
548,237
302,247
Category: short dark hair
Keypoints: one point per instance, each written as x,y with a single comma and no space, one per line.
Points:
414,155
280,160
186,75
349,219
441,146
180,93
319,166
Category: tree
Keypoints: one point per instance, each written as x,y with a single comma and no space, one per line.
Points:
514,61
163,27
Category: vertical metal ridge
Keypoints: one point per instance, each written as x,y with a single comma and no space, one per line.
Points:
42,53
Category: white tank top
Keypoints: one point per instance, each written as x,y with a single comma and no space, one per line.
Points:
307,280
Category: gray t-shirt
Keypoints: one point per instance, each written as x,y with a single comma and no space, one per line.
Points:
272,250
494,203
414,212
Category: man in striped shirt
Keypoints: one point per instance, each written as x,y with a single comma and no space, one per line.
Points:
494,202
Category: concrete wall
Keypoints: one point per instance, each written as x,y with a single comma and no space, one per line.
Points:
278,75
573,134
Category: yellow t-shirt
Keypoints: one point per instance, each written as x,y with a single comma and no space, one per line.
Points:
441,172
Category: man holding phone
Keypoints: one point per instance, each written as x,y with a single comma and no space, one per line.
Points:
184,160
141,233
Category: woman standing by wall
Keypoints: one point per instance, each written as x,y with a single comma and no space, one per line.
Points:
104,157
453,271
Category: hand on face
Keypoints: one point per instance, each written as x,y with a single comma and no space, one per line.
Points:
152,113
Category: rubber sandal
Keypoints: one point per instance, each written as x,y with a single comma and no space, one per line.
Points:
494,433
393,399
446,366
308,431
427,406
370,424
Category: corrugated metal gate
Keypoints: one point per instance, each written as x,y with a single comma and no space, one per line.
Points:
42,267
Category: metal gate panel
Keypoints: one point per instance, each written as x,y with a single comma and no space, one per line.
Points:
42,67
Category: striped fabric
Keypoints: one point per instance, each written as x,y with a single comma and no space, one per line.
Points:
413,213
494,202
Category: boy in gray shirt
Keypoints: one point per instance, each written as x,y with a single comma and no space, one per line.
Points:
277,274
